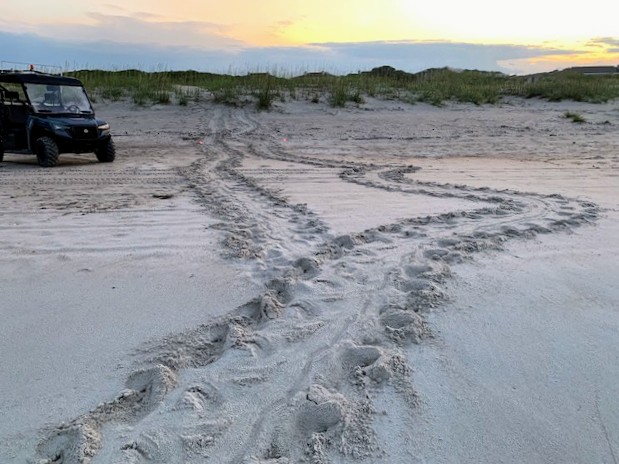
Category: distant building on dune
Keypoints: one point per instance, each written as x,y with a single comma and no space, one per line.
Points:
317,74
595,70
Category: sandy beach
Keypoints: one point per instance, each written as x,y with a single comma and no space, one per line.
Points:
383,283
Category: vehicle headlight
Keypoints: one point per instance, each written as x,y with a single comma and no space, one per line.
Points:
104,127
60,127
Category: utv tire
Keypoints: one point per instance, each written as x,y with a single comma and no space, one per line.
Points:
47,152
106,153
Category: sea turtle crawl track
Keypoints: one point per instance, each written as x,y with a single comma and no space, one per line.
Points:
298,373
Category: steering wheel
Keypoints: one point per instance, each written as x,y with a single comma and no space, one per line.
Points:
73,109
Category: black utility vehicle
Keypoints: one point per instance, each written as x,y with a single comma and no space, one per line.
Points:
46,115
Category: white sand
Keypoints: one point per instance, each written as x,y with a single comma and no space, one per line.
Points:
524,367
386,284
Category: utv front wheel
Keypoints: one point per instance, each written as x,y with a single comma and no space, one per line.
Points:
47,152
106,153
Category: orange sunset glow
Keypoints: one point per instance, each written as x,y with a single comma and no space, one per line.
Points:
550,32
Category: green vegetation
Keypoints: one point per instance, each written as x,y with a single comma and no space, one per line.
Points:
343,91
265,94
575,117
435,86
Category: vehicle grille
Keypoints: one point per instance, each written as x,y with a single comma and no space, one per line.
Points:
84,133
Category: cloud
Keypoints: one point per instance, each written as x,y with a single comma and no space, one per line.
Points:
609,44
416,56
147,29
101,54
604,42
136,28
236,58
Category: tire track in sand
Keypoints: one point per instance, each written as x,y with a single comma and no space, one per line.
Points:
296,374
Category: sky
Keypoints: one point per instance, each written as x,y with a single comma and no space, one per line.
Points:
289,37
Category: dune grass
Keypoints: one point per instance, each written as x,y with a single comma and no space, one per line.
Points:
575,117
262,89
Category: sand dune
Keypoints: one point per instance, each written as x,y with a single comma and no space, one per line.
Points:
289,287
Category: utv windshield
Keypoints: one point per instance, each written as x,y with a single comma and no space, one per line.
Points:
58,99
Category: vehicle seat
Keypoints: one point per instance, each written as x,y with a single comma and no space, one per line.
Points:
9,95
16,113
51,99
